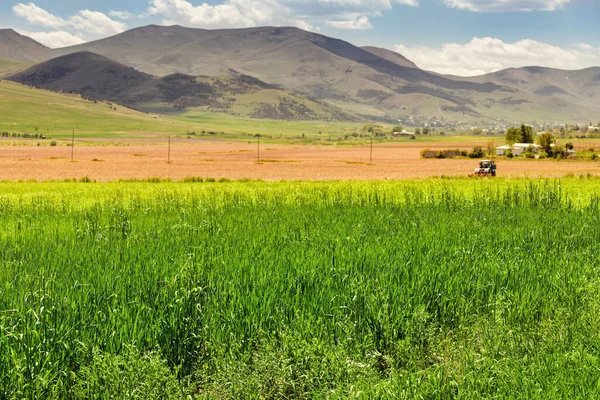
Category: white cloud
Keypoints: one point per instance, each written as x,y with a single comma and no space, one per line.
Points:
85,25
507,5
54,39
305,14
122,15
485,55
352,24
95,24
38,16
376,4
233,13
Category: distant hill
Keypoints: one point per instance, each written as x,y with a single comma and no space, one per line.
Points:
548,93
96,77
370,82
85,73
16,47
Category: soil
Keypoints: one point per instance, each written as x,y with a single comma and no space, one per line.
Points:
234,160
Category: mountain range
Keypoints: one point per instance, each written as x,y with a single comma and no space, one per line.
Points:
96,77
330,73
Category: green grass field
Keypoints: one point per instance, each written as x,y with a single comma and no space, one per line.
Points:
417,289
51,114
8,67
54,115
27,110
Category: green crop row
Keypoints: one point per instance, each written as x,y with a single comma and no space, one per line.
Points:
432,289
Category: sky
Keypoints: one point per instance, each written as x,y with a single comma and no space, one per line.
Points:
459,37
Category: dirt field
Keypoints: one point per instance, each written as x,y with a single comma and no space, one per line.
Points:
195,158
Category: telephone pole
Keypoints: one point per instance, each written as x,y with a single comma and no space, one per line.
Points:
169,151
73,145
371,159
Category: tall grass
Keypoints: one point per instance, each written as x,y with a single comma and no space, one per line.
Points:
256,290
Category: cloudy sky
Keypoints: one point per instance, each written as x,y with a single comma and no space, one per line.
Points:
462,37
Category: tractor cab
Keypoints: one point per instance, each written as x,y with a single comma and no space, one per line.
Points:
486,168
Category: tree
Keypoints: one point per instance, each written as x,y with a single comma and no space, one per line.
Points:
546,140
397,128
524,134
477,131
527,134
418,131
425,131
513,135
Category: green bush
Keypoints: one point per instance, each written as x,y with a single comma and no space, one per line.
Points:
477,152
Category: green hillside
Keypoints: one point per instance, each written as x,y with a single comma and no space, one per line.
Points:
8,67
34,110
30,110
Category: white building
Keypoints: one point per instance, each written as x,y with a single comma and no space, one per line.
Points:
517,149
501,150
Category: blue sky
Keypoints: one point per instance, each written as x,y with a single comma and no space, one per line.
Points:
465,37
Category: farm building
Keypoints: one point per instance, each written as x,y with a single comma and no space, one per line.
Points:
501,150
517,148
403,134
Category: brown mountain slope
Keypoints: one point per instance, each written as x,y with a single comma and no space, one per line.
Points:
97,77
16,47
392,56
372,82
321,67
88,74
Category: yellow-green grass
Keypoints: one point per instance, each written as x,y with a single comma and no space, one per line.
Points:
579,189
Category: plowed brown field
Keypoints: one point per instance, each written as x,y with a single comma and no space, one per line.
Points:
239,160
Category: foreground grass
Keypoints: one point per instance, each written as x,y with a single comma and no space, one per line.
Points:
429,289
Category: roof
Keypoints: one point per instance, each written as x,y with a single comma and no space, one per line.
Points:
525,145
505,147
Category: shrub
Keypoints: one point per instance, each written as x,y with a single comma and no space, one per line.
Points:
193,179
477,152
559,151
53,143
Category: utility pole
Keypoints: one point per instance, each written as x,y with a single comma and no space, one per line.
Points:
371,160
73,145
169,151
258,148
